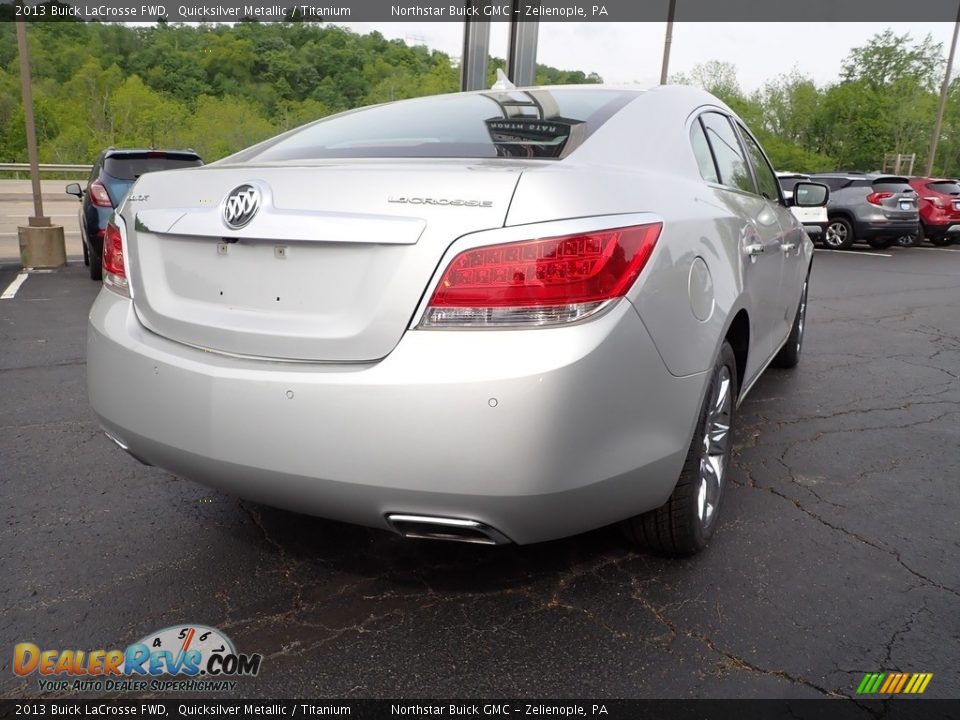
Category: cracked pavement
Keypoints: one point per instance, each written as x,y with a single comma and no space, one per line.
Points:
837,552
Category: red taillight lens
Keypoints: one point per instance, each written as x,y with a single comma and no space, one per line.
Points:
874,198
114,267
99,195
539,282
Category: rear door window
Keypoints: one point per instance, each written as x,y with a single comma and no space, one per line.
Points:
766,178
731,162
701,150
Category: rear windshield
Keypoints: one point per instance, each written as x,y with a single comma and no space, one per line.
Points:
894,187
130,167
947,188
529,123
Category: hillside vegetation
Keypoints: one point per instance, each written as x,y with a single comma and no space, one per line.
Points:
219,88
215,88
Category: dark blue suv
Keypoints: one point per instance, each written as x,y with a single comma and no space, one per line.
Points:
113,174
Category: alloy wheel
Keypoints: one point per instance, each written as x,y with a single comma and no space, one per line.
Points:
801,316
716,447
836,234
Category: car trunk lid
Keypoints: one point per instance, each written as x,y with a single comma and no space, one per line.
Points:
330,268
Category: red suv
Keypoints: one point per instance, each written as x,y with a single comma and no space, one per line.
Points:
939,209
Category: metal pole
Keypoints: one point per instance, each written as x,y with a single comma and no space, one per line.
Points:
476,49
667,42
38,219
522,49
943,98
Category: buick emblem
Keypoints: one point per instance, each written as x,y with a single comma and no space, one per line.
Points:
240,206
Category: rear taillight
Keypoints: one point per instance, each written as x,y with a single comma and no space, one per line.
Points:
874,198
540,282
99,195
114,267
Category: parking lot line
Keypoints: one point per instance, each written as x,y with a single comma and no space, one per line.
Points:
12,288
854,252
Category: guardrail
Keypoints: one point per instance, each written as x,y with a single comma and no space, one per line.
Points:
45,167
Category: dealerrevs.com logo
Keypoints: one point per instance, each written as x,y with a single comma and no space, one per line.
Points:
181,658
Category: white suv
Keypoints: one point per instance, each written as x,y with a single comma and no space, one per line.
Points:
814,219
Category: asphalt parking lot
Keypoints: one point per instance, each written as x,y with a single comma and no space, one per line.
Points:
837,552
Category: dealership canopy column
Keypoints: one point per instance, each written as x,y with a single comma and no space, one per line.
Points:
521,51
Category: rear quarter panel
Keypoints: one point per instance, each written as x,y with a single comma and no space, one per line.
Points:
698,222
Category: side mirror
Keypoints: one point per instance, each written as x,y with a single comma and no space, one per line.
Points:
810,194
74,189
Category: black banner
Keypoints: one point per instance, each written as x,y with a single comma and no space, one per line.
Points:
485,10
914,709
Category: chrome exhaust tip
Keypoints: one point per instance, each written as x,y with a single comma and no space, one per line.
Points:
123,446
425,527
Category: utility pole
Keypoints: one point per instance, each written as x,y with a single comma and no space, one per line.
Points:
38,218
943,98
667,42
41,244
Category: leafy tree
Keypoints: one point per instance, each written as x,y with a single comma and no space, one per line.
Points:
222,126
888,58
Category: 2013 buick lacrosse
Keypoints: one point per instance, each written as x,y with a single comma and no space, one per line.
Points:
501,316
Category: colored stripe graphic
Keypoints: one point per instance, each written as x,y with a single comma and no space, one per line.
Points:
894,683
890,682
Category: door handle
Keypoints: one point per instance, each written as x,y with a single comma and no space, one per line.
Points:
754,249
787,247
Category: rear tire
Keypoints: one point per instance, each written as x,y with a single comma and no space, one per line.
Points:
96,267
86,253
839,234
686,522
789,355
879,243
908,241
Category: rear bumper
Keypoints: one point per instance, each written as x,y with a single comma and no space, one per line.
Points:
942,230
886,229
538,434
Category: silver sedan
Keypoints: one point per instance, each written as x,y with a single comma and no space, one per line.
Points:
502,316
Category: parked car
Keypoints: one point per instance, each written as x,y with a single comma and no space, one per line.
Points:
875,208
113,173
939,209
508,315
814,219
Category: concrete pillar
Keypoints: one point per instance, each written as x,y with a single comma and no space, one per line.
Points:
42,246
